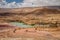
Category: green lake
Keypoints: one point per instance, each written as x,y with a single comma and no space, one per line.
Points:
22,25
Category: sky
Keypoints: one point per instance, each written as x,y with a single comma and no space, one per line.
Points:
28,3
17,1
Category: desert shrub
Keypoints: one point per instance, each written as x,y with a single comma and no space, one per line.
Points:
53,25
35,28
32,24
12,20
21,21
17,20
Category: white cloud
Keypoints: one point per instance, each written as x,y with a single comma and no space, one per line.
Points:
43,2
0,0
29,3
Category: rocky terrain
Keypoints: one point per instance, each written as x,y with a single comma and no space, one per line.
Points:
45,23
15,33
32,16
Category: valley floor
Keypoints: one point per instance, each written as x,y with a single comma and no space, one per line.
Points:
30,34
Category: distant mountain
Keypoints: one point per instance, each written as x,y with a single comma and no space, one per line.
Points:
27,8
53,7
30,9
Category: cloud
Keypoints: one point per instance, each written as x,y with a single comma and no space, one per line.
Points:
0,0
43,2
29,3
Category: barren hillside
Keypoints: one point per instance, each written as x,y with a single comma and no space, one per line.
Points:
32,16
45,23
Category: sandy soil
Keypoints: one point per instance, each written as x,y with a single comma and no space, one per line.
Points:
30,34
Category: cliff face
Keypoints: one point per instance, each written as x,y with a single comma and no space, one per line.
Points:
36,16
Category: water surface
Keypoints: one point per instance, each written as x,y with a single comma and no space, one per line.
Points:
22,25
